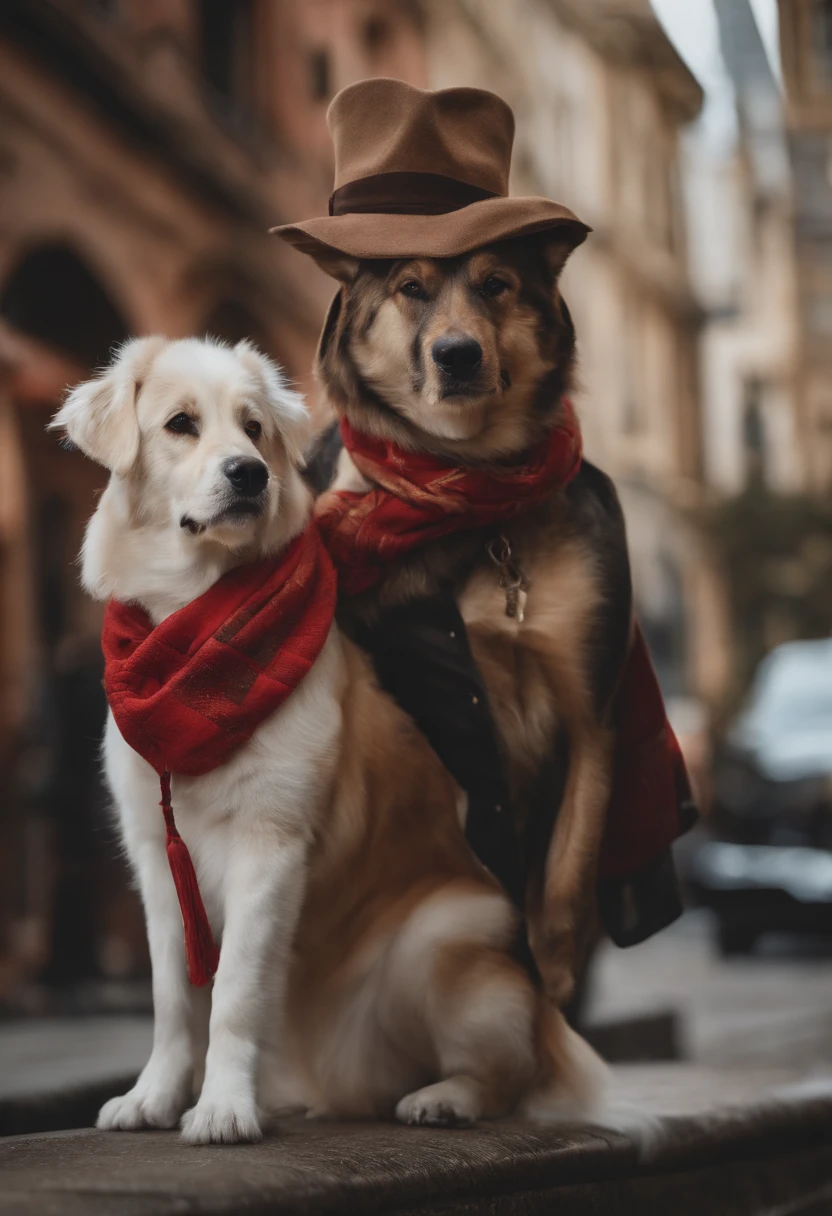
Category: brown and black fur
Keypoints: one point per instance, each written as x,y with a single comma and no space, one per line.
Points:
555,675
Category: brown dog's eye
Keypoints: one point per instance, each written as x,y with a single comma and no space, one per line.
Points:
494,287
182,424
413,289
253,429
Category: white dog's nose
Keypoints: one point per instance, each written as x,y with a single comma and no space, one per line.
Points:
247,477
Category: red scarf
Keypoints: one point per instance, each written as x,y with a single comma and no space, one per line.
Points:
187,693
416,499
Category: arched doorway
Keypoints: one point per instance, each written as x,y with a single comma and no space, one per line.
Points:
52,296
69,881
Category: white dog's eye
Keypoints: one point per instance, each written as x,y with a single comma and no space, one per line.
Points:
182,424
253,429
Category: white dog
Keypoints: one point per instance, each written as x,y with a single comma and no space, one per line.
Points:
365,963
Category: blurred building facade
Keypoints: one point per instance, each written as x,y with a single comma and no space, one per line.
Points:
760,218
146,148
759,201
740,208
806,50
601,99
761,224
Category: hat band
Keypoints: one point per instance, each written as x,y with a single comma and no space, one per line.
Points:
406,194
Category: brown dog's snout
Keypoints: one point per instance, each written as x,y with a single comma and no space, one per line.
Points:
459,357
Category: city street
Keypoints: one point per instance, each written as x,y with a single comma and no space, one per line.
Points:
517,317
770,1010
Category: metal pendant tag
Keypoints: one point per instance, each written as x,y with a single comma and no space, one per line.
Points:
512,579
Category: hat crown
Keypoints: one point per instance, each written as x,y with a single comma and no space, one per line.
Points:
387,126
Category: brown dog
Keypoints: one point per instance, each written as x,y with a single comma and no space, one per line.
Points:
469,358
491,583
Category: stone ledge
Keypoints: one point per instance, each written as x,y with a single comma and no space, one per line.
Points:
71,1106
730,1149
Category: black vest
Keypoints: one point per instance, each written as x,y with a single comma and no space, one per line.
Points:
422,658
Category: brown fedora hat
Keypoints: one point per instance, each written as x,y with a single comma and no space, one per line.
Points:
422,174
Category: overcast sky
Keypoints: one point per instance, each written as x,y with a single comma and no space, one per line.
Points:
691,26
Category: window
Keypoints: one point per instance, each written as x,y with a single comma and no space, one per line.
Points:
753,430
376,33
320,84
633,417
656,191
226,43
822,39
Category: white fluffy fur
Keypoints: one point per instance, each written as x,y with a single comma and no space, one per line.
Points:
247,824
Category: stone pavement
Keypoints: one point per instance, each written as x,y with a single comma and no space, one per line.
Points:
772,1009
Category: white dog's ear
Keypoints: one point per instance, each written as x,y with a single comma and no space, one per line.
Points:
288,408
99,416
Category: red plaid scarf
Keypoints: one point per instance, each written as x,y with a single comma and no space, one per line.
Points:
416,498
187,693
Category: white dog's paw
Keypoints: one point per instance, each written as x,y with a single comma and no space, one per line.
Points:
221,1121
142,1107
452,1103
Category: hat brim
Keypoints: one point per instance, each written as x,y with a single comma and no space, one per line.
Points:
385,235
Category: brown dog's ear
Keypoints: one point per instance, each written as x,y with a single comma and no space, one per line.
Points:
559,242
341,266
99,416
328,329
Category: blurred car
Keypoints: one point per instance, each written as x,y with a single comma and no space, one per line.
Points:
768,865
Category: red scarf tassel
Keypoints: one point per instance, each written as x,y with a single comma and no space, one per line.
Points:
201,953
